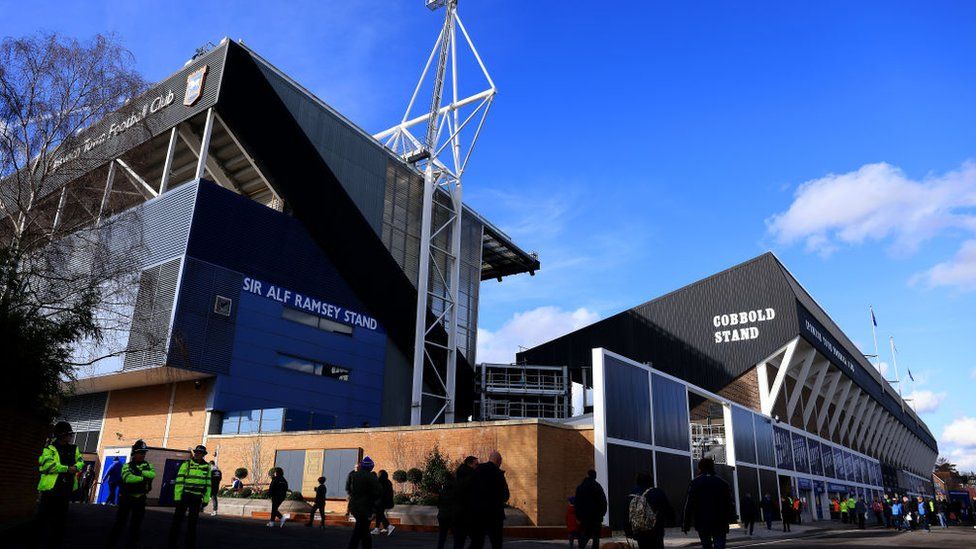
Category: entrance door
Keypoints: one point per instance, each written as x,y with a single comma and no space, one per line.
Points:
170,470
111,469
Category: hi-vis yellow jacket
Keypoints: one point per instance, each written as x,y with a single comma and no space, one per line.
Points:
50,466
193,478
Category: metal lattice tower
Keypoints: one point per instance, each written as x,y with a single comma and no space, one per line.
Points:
451,129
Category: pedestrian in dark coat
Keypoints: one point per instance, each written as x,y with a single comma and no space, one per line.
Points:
748,513
658,501
364,490
462,517
709,506
591,506
768,510
446,495
860,508
278,490
319,504
786,509
385,502
489,494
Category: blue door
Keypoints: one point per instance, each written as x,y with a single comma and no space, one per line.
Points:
103,491
170,470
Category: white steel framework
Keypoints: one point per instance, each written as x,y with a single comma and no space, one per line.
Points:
451,128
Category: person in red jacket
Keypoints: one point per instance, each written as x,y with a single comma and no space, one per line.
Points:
572,525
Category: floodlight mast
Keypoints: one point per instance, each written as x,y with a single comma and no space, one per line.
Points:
443,155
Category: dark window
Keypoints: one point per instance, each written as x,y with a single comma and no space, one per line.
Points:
766,453
840,468
628,401
827,455
800,453
673,476
768,484
748,484
744,435
314,367
623,465
671,425
315,321
816,465
87,441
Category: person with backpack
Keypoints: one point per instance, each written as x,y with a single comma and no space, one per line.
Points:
319,504
591,506
748,512
137,477
709,506
648,513
768,510
385,502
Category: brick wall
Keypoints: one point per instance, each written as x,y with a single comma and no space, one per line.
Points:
744,390
543,462
140,413
23,441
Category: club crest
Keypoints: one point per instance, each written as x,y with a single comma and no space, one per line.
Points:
194,86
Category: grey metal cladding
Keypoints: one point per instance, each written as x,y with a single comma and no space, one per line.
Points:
149,332
358,162
84,412
135,124
166,221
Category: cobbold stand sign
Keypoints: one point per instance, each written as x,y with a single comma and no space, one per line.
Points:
115,128
741,326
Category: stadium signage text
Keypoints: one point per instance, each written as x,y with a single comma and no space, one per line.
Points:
741,324
832,348
308,304
117,128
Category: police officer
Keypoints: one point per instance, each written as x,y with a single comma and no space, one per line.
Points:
137,477
59,464
191,493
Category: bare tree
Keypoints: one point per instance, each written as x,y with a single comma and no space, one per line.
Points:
69,254
255,460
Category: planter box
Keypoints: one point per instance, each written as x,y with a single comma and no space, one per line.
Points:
427,515
243,507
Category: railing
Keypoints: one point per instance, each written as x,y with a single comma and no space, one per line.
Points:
505,409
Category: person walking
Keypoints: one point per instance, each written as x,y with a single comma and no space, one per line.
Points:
278,490
112,478
768,510
940,510
318,504
591,506
137,477
87,480
834,508
877,508
463,519
573,531
489,494
708,506
385,502
798,510
886,510
748,512
786,509
896,514
364,489
860,509
215,477
59,464
191,492
657,502
923,511
446,503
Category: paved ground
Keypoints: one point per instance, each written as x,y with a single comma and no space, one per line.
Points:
89,525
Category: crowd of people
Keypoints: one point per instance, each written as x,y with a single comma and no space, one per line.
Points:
470,502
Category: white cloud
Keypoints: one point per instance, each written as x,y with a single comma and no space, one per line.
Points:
877,202
964,458
925,401
530,328
959,272
961,432
973,373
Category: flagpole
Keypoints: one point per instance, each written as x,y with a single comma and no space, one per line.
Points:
894,361
874,334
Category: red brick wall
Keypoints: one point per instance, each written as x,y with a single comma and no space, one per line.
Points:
23,440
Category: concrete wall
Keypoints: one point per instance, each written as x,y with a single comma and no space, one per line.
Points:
543,462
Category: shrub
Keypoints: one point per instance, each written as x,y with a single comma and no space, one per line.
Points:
261,494
436,471
426,499
399,476
240,473
245,492
415,475
401,498
295,496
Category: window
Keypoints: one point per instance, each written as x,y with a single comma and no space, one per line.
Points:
253,421
314,367
315,321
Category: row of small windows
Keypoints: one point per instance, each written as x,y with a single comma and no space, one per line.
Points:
315,321
274,420
314,367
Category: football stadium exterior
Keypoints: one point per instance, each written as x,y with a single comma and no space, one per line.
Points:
745,367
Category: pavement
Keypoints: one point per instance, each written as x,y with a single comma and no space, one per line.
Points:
89,526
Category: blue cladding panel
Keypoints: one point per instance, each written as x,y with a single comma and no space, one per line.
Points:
233,238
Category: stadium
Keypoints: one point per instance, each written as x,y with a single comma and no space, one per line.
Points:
276,321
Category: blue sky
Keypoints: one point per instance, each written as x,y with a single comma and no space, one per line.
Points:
641,147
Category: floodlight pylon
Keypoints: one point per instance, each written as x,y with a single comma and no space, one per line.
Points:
452,126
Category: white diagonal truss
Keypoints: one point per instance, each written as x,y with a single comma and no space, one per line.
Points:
451,127
836,407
